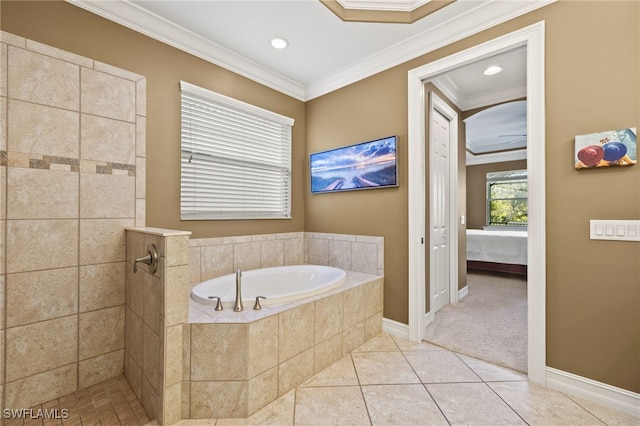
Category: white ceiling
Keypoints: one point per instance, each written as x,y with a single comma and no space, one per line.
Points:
324,52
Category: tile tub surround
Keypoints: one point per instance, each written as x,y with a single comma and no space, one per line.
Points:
156,308
72,170
241,361
214,257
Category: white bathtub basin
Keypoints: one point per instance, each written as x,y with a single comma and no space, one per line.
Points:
278,284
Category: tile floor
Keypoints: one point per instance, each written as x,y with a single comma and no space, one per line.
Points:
391,381
386,381
110,403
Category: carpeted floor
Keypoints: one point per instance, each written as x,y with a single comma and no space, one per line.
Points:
490,323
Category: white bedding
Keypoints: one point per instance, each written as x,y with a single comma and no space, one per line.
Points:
497,246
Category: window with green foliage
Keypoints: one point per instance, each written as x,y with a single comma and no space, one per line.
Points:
507,198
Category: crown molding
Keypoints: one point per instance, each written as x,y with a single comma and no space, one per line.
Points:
394,11
479,18
398,5
132,16
485,15
498,157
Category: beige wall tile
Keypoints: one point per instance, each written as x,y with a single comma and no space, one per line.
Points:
328,317
295,331
176,250
141,97
216,261
141,173
107,196
41,295
141,209
42,129
151,400
134,336
364,258
136,287
117,72
340,254
133,373
153,302
43,80
105,139
29,240
173,349
45,386
194,265
211,400
152,359
172,406
271,253
294,371
373,325
30,348
327,352
262,390
58,54
176,295
263,345
294,251
101,332
141,136
186,352
103,240
3,69
246,256
101,286
41,194
105,95
219,351
352,337
98,369
3,124
353,306
318,251
374,297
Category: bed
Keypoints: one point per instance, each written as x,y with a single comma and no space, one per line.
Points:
503,251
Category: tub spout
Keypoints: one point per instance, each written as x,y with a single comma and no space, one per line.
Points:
238,305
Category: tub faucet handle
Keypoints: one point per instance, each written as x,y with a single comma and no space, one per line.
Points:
257,306
218,303
150,259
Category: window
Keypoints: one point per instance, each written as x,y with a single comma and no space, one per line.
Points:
235,158
507,198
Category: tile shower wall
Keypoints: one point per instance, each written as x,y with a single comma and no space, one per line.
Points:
156,308
72,145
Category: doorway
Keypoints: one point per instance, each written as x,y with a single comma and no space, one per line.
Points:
532,38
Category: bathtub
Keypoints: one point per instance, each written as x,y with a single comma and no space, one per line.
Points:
278,284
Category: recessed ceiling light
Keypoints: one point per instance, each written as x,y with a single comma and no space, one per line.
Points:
279,42
491,70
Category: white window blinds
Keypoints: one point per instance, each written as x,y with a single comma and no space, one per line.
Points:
236,158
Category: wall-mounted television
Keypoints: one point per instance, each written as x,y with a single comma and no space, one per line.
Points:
366,165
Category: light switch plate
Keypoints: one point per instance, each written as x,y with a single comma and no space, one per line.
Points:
617,230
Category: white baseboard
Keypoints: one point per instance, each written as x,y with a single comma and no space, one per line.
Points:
463,292
581,387
395,328
591,390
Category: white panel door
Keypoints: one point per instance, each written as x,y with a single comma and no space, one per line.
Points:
439,202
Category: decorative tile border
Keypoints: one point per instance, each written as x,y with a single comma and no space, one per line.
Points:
50,162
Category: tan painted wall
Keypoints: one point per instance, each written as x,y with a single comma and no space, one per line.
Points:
70,28
592,84
477,189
